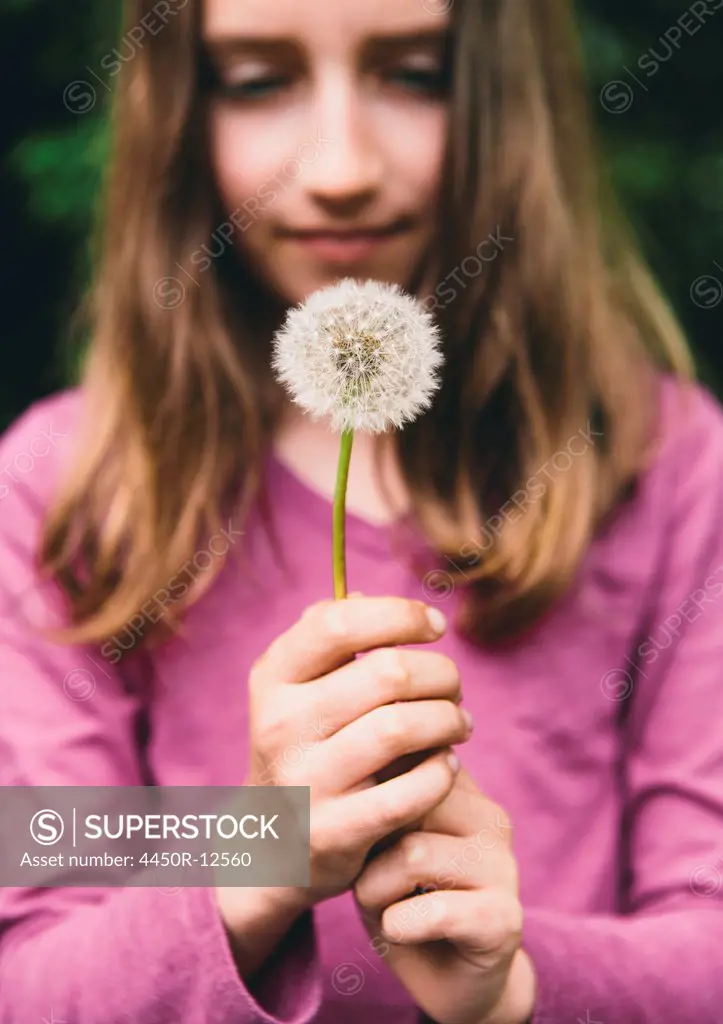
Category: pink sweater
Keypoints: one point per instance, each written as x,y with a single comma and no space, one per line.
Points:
601,735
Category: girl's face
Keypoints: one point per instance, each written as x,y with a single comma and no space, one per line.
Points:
328,122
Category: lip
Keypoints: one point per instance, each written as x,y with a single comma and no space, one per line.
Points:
345,246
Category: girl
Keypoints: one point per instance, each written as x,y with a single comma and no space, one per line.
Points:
165,536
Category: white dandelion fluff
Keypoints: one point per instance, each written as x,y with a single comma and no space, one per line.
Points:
366,355
363,353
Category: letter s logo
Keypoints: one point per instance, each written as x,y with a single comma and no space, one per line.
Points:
46,827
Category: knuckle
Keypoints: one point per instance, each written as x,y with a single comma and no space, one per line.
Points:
503,822
448,721
416,617
389,809
333,620
459,723
517,915
257,670
265,777
390,728
438,772
319,848
513,876
505,916
408,616
451,672
442,781
439,909
325,617
324,842
364,895
391,671
312,612
413,850
270,730
315,728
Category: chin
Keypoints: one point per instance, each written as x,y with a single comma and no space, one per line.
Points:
297,287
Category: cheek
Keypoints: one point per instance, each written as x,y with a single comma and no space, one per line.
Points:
414,145
246,157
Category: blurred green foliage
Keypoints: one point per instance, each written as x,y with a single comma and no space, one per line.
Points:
660,126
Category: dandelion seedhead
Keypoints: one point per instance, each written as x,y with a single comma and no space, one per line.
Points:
364,353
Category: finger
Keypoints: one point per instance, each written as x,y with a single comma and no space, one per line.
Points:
363,818
330,633
427,860
485,921
382,677
368,744
468,803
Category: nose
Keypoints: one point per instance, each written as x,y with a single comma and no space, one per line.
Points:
349,169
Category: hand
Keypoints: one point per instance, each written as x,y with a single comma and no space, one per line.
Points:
320,718
456,946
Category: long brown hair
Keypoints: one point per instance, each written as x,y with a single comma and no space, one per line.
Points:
560,334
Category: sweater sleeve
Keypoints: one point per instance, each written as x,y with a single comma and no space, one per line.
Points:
126,954
659,961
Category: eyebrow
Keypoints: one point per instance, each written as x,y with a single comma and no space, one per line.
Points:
233,45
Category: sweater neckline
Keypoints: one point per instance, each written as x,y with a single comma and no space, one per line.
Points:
376,539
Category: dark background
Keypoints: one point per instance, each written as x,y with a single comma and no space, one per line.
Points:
657,101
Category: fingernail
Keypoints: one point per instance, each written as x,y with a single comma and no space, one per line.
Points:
469,721
437,620
453,762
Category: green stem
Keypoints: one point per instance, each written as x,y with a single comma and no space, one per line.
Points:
339,523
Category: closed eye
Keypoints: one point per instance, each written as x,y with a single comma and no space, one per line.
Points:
253,88
429,81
